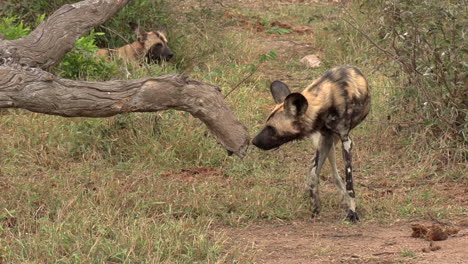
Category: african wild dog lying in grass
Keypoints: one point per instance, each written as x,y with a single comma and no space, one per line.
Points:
329,107
150,45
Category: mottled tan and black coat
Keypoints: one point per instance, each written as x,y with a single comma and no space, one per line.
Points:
329,108
151,46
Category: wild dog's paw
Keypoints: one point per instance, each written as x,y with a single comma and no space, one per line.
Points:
352,216
315,212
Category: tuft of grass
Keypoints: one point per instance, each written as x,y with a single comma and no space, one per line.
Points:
408,253
278,30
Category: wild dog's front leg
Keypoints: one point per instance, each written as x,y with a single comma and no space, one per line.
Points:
312,185
312,182
347,157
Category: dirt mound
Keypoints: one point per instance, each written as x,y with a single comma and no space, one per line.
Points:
433,233
432,247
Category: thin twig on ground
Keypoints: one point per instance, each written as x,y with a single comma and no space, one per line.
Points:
237,85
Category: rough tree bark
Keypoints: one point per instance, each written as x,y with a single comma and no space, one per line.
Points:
25,84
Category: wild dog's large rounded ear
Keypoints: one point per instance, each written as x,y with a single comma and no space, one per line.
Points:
279,90
139,32
163,29
295,105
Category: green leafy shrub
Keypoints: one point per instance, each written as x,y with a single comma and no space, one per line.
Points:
82,63
11,29
428,40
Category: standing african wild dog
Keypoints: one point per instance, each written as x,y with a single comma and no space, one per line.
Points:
329,107
150,45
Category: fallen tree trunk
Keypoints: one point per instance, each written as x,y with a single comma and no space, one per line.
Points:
24,84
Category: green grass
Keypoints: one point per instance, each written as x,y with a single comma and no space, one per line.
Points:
125,189
408,254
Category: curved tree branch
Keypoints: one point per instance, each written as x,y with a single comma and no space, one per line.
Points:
39,91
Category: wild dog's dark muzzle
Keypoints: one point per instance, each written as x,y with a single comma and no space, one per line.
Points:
268,138
265,139
159,52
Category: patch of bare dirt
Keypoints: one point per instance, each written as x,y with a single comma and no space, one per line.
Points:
255,23
312,242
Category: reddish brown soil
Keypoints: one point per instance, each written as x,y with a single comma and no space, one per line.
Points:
312,242
253,23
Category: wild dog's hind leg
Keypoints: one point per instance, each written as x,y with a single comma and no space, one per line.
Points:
347,157
336,176
312,182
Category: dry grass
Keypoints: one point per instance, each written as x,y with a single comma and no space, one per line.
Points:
149,187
